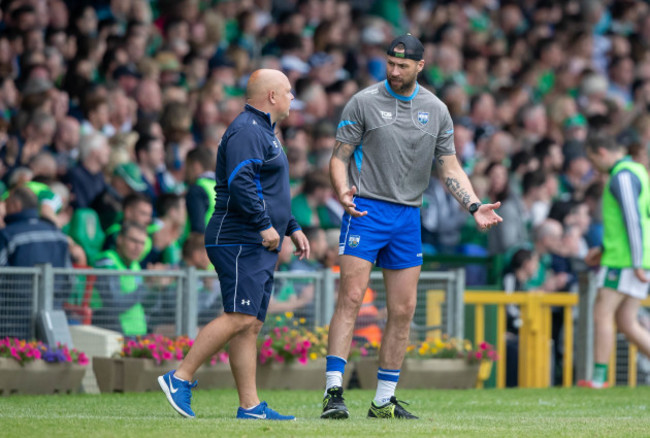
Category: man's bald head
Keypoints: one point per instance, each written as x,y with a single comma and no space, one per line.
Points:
262,81
269,91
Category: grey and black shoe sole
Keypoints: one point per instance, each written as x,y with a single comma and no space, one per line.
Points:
335,414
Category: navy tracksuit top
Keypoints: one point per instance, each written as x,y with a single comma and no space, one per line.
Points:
252,181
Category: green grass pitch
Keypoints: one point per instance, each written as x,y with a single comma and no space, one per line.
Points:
574,412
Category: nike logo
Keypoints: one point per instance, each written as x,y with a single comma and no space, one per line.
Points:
171,386
260,416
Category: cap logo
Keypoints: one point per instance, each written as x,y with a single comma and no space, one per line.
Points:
398,54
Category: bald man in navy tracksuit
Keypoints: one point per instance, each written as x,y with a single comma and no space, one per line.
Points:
252,211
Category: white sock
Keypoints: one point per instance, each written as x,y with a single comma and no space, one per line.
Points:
385,390
178,378
334,378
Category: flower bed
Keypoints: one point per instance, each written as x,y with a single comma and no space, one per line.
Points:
439,363
136,367
36,368
293,357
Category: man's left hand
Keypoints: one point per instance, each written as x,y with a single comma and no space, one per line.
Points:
302,244
486,217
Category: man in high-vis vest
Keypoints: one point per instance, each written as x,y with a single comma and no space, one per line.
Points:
624,256
118,299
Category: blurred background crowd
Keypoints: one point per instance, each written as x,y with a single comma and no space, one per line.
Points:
111,113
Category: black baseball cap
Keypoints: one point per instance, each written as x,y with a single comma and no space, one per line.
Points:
413,48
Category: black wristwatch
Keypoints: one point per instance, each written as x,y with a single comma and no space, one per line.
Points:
473,208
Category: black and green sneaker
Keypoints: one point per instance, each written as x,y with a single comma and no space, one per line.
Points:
333,406
391,409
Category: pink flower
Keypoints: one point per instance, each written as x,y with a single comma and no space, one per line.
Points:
268,353
483,346
179,354
479,355
302,359
131,344
364,351
287,347
285,329
167,355
213,361
151,347
279,358
37,353
83,359
277,331
223,357
267,342
306,344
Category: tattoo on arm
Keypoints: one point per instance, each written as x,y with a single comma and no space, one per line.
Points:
343,151
441,162
459,193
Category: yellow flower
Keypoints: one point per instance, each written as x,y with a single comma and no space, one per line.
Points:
434,350
302,320
410,348
439,343
313,356
289,315
295,323
278,318
425,345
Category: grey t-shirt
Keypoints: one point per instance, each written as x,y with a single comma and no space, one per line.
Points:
396,139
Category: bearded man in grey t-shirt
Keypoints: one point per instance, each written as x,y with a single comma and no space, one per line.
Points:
389,135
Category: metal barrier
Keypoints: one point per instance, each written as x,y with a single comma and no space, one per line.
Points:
180,301
19,295
176,302
534,333
535,355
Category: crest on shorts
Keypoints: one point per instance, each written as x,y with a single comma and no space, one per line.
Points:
423,117
353,241
612,274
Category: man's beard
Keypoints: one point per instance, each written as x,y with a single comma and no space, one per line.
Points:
404,87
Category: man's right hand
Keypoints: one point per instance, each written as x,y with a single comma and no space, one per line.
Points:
346,200
592,259
270,239
640,275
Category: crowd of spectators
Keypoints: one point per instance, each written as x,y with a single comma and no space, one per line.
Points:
112,111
